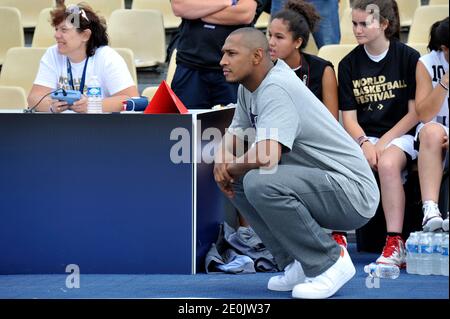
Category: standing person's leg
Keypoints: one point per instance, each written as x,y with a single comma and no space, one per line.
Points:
189,87
328,31
220,92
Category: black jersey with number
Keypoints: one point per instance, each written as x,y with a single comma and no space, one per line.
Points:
311,73
379,91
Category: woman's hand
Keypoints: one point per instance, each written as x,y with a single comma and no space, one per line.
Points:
80,106
370,153
58,106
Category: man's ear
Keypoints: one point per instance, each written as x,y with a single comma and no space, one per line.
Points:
258,55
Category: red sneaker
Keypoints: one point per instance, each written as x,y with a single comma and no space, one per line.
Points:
394,252
339,238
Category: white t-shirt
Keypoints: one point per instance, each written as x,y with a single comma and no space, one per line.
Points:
106,64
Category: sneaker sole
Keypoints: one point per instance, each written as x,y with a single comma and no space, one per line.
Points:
275,287
433,224
328,294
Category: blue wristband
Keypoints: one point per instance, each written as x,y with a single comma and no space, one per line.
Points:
234,2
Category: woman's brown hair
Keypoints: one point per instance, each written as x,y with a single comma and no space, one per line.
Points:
83,17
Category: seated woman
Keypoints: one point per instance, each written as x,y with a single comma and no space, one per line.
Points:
81,52
289,33
432,132
377,97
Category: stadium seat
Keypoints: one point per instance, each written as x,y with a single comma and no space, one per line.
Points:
151,90
335,53
21,66
263,21
29,9
12,97
347,36
424,17
406,9
131,29
438,2
311,47
421,47
128,56
104,7
170,20
11,31
343,5
44,33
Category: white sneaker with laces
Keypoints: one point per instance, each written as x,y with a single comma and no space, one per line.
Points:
293,275
432,219
445,224
329,282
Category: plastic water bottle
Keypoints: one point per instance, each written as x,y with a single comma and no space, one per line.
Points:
444,255
425,254
94,94
437,252
382,271
412,253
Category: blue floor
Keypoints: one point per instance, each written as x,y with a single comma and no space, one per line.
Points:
220,286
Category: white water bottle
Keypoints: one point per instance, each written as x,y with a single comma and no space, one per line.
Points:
412,253
437,252
94,95
382,271
425,254
444,256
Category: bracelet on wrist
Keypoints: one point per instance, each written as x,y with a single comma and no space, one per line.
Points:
362,143
443,85
361,139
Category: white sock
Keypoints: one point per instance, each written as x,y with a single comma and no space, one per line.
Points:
429,203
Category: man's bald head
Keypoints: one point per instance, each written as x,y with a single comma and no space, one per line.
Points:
252,38
246,58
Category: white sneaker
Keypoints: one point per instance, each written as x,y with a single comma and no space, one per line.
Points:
293,275
432,219
326,284
445,224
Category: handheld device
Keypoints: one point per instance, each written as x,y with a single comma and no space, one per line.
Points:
70,96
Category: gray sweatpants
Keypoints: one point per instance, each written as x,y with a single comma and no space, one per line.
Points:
290,208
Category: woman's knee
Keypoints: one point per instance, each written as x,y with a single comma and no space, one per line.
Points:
389,166
431,135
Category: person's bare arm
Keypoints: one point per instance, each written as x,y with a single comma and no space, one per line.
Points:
114,103
196,9
330,91
36,94
242,13
428,99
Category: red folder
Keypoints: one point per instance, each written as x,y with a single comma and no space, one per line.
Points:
165,101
